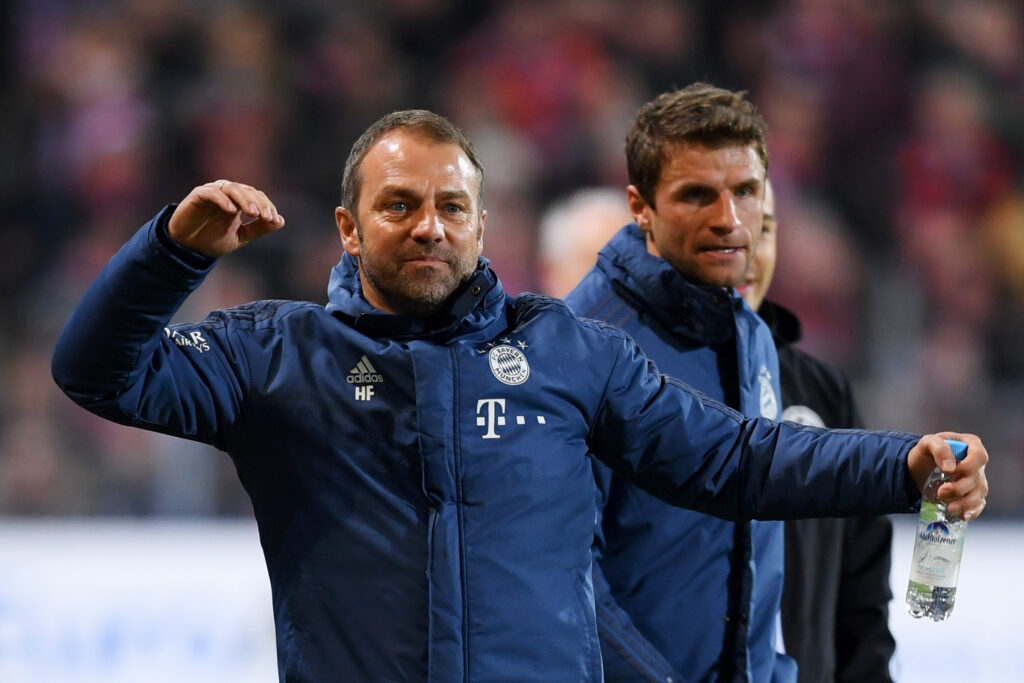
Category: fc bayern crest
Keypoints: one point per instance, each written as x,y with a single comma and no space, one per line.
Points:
769,404
509,364
803,415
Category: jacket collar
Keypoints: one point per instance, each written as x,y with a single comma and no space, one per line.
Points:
703,314
783,323
473,307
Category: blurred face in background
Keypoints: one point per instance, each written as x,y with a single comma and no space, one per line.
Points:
706,219
573,231
758,277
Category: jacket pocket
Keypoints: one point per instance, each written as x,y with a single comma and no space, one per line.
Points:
591,642
627,654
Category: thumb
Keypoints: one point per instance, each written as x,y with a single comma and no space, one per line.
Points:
945,457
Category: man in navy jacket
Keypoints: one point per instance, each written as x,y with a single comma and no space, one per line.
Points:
835,597
683,595
416,451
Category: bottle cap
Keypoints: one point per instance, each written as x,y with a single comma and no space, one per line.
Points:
959,448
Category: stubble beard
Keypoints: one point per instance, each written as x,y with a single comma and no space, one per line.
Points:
425,292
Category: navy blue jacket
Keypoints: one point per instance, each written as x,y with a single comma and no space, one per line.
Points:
422,489
688,596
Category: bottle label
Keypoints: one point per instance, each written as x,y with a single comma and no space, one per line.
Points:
937,549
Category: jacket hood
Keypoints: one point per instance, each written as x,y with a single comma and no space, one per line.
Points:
704,314
783,323
475,305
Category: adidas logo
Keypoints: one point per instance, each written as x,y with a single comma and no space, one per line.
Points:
364,373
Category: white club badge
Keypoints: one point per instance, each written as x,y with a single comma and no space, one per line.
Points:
508,364
802,415
769,403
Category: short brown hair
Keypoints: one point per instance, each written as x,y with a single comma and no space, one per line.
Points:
421,122
700,113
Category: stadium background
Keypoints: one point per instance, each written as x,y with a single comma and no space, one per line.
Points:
896,133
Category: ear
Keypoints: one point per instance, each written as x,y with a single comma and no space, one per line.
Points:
480,234
347,229
639,207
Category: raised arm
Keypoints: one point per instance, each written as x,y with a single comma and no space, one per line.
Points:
117,357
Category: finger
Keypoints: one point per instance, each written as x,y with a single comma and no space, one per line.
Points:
964,486
975,511
188,217
940,452
970,505
254,203
246,198
973,463
258,227
267,209
211,192
967,494
976,456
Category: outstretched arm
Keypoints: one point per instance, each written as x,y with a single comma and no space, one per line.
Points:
694,452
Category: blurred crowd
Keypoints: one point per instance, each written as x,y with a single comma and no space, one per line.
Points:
896,134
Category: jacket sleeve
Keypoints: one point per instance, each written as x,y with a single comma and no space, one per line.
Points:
117,357
694,452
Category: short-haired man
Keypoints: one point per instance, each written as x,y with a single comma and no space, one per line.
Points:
683,595
416,451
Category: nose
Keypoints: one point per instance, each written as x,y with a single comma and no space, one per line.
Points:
429,227
725,216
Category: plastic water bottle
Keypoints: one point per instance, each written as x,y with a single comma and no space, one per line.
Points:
938,547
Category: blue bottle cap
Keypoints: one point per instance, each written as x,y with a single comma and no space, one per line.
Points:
959,448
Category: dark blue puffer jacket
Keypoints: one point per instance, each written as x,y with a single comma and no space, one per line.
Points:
685,596
422,488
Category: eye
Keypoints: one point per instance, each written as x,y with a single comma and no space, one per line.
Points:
453,208
745,191
693,194
400,207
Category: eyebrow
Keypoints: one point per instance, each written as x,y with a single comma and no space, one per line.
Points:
397,191
454,194
404,192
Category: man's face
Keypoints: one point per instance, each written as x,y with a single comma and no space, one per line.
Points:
417,229
708,216
758,278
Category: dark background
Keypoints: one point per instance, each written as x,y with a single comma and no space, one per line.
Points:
896,139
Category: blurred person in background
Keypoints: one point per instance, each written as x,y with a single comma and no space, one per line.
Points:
411,530
572,230
835,598
682,595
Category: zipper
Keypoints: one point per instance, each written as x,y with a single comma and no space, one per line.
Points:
457,456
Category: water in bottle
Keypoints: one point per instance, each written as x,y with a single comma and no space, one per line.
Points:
938,547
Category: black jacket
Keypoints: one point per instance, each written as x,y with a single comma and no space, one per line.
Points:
835,617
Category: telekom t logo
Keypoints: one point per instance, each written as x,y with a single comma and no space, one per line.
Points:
489,420
493,415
